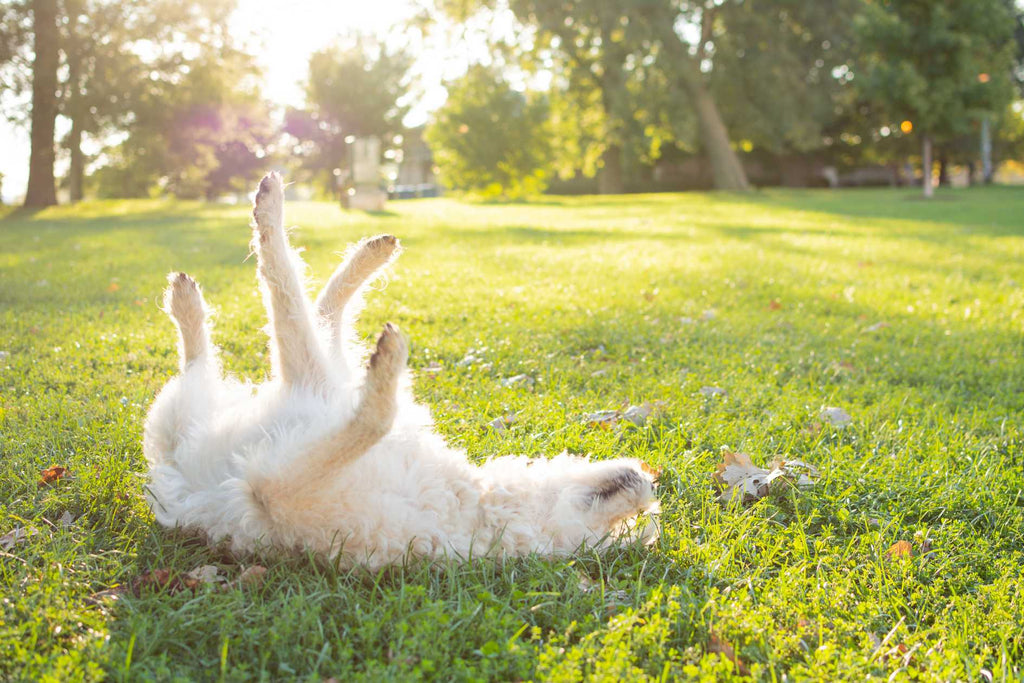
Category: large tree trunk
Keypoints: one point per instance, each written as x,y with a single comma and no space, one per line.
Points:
609,178
943,168
42,190
726,170
926,167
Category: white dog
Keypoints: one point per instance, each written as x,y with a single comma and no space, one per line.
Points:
338,460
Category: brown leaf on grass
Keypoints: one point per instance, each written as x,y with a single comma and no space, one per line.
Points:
501,424
207,573
774,305
718,644
251,577
900,549
605,419
737,477
113,287
157,579
15,536
51,474
837,417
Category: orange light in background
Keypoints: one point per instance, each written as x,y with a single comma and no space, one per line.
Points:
983,78
463,129
907,126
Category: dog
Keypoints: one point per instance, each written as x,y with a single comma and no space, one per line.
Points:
335,457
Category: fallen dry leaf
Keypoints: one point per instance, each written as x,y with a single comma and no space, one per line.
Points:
900,549
501,424
605,419
722,647
774,305
518,381
737,477
251,577
15,536
837,417
113,287
207,573
51,474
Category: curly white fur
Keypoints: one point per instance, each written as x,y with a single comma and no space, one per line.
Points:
329,458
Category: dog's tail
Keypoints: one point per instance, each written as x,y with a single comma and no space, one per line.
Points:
294,491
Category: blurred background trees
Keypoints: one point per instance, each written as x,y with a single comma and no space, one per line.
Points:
469,151
160,96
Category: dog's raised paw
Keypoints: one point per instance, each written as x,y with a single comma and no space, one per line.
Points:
391,352
182,299
268,206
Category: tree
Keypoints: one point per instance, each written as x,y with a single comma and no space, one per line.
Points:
42,189
114,52
201,133
354,89
594,53
470,151
935,66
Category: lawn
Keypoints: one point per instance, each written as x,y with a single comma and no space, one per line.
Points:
907,315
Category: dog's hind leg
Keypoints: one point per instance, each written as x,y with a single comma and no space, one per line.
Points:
296,354
291,490
183,301
363,261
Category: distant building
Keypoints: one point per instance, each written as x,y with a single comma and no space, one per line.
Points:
415,176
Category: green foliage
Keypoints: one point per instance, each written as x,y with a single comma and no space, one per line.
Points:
491,139
938,65
586,295
358,89
771,68
201,131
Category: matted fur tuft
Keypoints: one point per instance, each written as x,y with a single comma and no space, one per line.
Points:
338,458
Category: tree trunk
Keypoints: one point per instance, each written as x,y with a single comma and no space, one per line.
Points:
926,167
943,169
609,179
986,151
42,189
726,170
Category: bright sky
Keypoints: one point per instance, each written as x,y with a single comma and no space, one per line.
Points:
285,34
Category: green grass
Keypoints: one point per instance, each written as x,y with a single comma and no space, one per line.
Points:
587,295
